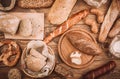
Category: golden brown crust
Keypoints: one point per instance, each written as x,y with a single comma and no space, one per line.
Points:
109,20
35,3
99,14
60,11
115,30
74,19
13,49
83,43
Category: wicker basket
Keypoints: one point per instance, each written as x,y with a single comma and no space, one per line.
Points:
24,67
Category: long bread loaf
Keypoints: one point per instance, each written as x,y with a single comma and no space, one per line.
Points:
94,74
109,20
115,30
60,11
74,19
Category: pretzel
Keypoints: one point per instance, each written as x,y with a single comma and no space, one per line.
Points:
12,50
74,19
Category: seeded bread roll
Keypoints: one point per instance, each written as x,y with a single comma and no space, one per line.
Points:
35,3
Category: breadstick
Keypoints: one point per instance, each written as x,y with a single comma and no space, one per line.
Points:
74,19
100,71
115,30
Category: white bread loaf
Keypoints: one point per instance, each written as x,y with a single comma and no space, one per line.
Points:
60,11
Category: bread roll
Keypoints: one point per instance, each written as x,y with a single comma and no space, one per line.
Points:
14,73
83,43
25,28
60,11
9,24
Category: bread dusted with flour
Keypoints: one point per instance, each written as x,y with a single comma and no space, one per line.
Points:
84,43
9,24
60,11
25,28
35,61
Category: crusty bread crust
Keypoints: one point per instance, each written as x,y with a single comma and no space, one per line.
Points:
35,3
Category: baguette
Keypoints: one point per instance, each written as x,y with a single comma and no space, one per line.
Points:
74,19
110,18
115,30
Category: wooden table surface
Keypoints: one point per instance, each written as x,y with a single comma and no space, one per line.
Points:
62,71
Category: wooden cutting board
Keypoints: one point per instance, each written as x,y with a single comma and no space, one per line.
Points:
65,49
38,26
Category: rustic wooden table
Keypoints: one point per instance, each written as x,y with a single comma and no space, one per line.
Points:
62,71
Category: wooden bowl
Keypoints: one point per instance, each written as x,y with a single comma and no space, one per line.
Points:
24,67
65,48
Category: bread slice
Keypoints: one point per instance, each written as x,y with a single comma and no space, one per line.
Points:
35,3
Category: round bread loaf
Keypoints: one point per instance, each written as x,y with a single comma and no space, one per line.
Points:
25,28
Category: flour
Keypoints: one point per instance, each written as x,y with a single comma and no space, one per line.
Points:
76,58
116,46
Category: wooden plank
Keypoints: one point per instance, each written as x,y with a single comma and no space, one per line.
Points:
65,70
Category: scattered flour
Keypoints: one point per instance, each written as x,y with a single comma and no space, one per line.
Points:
116,46
76,58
